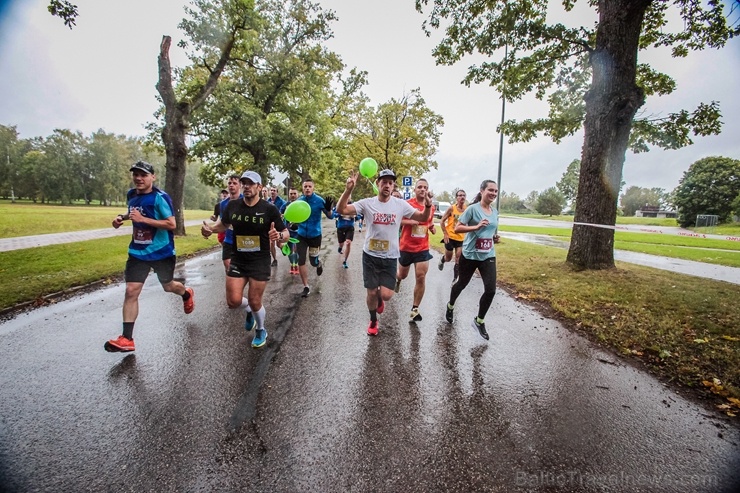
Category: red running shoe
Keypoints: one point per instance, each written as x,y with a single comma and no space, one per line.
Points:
381,305
119,345
189,305
372,329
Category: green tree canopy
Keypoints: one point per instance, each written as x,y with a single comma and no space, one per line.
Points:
568,183
591,78
709,186
634,198
401,134
550,202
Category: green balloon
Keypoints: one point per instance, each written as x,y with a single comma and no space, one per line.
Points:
368,167
297,211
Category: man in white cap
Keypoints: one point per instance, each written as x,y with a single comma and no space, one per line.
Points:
381,250
255,223
152,247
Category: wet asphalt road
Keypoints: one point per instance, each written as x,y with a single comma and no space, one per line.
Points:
323,407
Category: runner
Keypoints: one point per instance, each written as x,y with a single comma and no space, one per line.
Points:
233,188
309,233
278,202
217,212
479,222
255,223
453,241
293,229
380,250
152,247
345,233
414,245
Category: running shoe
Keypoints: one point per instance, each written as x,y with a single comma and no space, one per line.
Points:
441,264
415,315
306,290
372,329
344,264
274,263
481,328
397,289
381,305
448,313
120,344
250,322
260,337
188,305
319,269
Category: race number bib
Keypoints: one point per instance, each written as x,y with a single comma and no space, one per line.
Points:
379,245
419,231
483,245
143,236
247,243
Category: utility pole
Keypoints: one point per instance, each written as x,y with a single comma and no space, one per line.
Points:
12,193
501,138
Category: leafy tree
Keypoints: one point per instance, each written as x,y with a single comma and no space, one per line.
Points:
275,106
63,178
550,202
709,186
634,198
568,184
65,10
214,29
531,201
400,134
736,207
445,196
598,84
511,202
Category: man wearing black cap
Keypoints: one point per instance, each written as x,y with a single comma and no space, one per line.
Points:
152,247
255,223
381,249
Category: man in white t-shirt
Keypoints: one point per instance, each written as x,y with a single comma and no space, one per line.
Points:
383,215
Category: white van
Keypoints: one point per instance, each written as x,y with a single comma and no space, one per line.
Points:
440,208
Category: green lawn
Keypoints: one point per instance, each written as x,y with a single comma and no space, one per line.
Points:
24,219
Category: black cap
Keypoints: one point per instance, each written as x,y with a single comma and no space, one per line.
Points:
143,166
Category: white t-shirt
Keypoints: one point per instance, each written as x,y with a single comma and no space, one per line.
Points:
383,221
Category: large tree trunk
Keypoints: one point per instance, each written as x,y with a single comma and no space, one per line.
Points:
611,104
173,135
177,121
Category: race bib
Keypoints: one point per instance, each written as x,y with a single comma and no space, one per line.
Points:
379,245
143,236
419,231
483,245
247,243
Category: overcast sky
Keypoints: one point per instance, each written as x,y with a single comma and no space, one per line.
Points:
102,74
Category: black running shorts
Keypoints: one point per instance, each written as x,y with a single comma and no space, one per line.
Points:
137,270
378,271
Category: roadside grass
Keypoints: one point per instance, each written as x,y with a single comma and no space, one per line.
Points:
32,273
648,221
24,219
707,250
685,329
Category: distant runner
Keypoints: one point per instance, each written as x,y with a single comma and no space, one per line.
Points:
278,202
345,234
309,233
453,241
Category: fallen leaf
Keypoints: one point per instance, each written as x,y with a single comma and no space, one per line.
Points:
724,406
730,338
701,341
